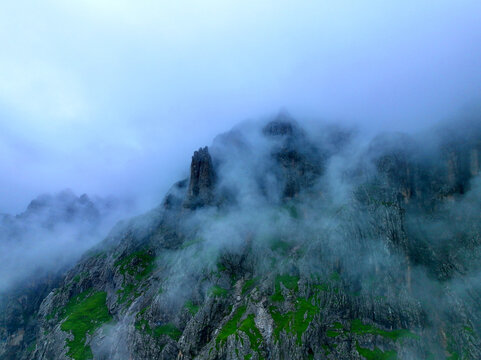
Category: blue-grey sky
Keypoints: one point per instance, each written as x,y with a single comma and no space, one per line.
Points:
112,97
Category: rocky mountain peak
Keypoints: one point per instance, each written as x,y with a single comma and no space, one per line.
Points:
282,126
64,207
202,179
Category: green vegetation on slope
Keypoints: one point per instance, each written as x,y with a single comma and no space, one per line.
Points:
126,292
295,322
376,354
357,327
231,326
193,309
216,290
168,329
247,326
290,282
139,265
84,314
248,285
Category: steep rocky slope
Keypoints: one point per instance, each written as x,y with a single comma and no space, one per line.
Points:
288,244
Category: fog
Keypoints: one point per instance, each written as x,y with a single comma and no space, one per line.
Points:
112,97
51,234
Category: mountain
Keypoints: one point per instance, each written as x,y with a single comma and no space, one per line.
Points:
37,247
287,242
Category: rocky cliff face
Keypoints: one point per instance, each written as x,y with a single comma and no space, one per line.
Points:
284,245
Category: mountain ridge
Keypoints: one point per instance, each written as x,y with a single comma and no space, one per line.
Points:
281,247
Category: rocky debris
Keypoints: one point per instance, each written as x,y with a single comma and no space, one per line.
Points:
202,179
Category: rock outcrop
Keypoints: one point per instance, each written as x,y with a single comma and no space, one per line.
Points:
202,179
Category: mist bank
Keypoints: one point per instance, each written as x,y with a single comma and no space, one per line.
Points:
51,235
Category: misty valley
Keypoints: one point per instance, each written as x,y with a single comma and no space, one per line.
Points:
288,240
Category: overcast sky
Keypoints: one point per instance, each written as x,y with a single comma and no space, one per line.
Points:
112,97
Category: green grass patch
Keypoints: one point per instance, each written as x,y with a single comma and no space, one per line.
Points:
248,285
357,327
79,277
295,322
143,325
335,276
231,326
290,282
277,296
280,246
193,309
221,267
376,354
453,354
335,330
248,326
216,290
138,264
321,287
83,315
332,333
168,329
337,325
126,292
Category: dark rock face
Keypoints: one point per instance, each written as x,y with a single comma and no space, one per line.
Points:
282,126
202,179
299,162
19,306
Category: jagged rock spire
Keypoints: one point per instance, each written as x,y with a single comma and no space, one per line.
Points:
202,179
